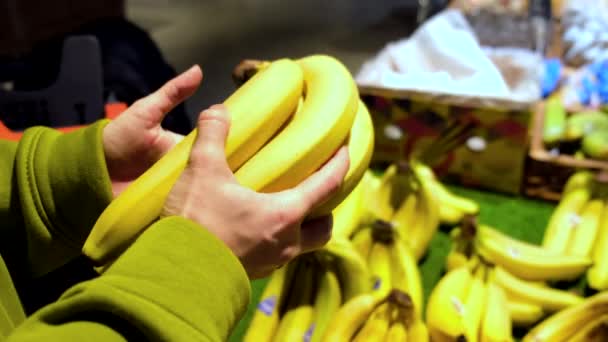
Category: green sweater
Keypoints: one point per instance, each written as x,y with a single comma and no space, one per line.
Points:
177,281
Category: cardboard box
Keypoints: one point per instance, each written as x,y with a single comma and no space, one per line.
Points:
493,158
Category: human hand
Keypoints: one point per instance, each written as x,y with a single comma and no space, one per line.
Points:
264,230
135,140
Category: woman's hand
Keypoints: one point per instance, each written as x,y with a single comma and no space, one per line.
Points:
264,230
135,140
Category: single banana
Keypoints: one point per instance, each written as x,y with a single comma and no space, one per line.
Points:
585,233
255,119
406,214
351,268
360,150
496,324
397,333
362,241
450,215
475,303
530,266
299,312
446,306
350,317
376,327
348,215
444,195
564,324
389,187
594,331
564,217
266,317
418,331
406,274
548,298
524,314
427,222
327,303
579,179
597,275
379,264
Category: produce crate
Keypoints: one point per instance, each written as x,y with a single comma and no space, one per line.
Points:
547,172
492,158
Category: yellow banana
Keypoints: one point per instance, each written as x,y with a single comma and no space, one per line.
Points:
444,195
381,206
351,268
585,233
362,241
266,317
564,324
255,118
594,331
524,314
360,150
475,302
580,179
427,222
406,274
446,306
532,266
450,215
564,218
406,214
549,299
326,121
418,331
327,303
379,264
397,333
377,325
597,275
516,247
496,324
350,317
348,215
299,311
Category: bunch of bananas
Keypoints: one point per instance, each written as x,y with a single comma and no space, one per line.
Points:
402,198
584,322
468,305
587,129
521,269
390,261
579,226
371,317
287,119
302,297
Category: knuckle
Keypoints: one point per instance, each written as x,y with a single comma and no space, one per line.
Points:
288,254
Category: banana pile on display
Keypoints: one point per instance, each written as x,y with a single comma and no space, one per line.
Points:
287,120
302,297
586,131
370,317
390,261
404,199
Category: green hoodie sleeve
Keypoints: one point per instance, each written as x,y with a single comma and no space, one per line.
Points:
177,282
54,187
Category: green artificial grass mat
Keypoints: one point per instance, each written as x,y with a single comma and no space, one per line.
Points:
520,217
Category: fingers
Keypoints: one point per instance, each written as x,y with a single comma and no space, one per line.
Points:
155,106
315,233
208,150
317,188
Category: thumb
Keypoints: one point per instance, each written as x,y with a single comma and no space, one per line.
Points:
208,150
